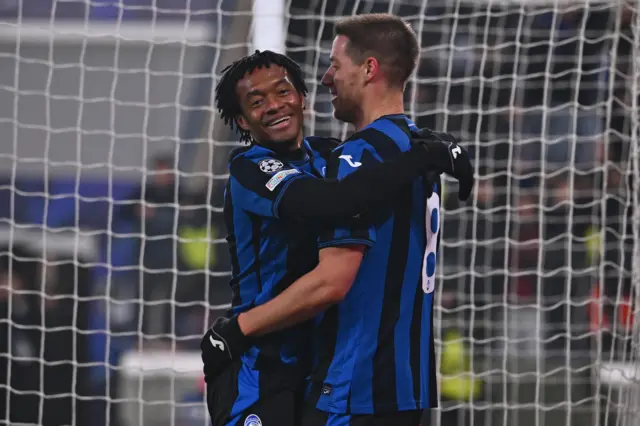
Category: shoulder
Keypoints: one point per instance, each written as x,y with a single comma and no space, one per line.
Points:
323,146
254,159
387,137
254,166
239,152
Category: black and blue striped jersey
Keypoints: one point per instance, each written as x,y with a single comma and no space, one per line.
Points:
376,347
268,253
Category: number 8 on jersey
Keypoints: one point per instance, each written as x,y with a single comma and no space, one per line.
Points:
433,227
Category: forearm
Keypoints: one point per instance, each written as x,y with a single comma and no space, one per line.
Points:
303,300
328,200
311,294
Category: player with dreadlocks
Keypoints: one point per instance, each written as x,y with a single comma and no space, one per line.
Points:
275,199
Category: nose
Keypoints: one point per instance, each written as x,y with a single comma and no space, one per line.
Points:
327,79
273,104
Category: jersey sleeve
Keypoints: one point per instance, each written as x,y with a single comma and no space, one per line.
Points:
257,185
345,160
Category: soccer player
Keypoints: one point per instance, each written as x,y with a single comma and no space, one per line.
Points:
275,185
375,278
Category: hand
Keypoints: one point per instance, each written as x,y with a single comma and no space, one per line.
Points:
221,344
448,157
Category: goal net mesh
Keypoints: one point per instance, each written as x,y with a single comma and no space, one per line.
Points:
113,164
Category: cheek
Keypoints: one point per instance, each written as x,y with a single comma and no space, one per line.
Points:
357,79
349,80
256,116
253,119
296,104
348,86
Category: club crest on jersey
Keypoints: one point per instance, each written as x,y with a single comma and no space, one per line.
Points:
270,165
252,420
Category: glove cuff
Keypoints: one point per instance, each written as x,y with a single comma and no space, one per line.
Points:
239,343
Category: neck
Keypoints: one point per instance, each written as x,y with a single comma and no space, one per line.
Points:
297,144
284,146
379,104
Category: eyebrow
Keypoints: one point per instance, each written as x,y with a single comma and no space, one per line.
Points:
257,92
254,92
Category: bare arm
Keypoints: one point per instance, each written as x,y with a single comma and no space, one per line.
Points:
311,294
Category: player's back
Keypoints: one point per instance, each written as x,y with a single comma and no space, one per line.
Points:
267,253
376,346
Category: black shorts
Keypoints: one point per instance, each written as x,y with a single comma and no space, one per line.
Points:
311,416
247,397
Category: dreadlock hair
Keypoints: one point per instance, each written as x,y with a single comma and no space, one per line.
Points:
227,102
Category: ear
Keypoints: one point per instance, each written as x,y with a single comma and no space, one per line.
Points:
242,123
371,68
303,101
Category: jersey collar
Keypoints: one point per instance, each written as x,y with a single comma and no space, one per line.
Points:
299,156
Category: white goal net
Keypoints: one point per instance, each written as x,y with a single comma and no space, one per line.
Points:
112,167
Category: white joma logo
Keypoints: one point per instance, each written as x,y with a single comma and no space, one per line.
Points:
216,343
455,151
349,160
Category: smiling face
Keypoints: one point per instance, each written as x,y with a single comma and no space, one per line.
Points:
345,80
272,109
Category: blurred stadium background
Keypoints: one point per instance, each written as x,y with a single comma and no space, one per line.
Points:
112,169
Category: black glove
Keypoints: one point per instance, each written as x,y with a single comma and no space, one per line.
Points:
448,157
220,345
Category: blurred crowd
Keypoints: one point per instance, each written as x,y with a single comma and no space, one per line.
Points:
182,261
546,101
174,281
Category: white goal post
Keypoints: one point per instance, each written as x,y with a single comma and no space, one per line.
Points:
538,276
